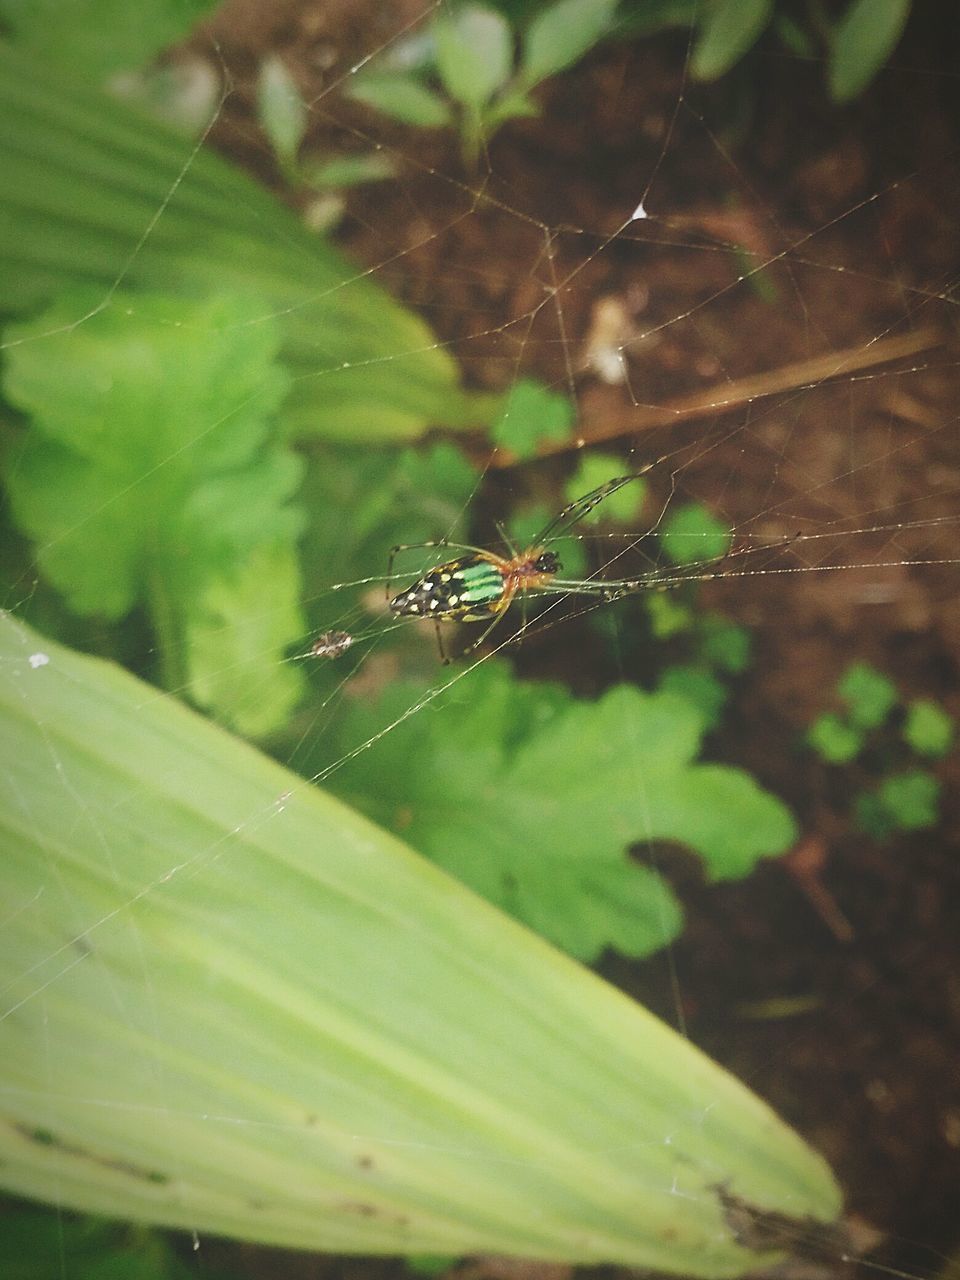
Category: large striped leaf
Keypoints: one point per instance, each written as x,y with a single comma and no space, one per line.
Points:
229,1003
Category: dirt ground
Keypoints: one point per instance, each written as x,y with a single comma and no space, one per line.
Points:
864,1059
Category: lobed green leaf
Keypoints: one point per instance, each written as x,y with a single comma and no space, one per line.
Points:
521,820
148,477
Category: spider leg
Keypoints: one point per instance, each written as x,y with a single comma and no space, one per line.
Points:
443,656
573,512
502,530
508,595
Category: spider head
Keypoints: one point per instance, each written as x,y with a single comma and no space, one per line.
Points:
548,562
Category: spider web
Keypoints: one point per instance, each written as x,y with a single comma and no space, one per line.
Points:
779,333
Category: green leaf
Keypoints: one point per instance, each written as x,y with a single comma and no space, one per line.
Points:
669,614
38,1244
871,816
346,171
281,109
96,37
700,687
403,97
928,728
623,505
148,477
521,820
345,1046
797,38
84,182
474,53
911,799
511,105
532,413
834,740
410,495
429,1264
561,34
240,624
726,30
690,534
869,694
863,40
724,644
657,15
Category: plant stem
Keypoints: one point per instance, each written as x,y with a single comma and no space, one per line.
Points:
163,618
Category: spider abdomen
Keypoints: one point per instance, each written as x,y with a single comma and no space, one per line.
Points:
469,589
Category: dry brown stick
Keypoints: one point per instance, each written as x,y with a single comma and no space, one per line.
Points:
726,396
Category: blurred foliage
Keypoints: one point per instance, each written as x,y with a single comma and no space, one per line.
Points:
96,37
869,695
880,736
151,475
854,38
855,42
284,116
908,801
49,1244
928,728
98,197
532,413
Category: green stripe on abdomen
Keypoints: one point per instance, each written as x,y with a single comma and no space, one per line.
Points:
478,584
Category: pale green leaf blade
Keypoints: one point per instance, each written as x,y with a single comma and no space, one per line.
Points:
281,109
562,33
864,39
403,98
347,171
232,1005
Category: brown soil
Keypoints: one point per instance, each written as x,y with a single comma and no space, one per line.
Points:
865,1063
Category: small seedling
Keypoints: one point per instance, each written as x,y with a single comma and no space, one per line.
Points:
866,731
470,75
284,117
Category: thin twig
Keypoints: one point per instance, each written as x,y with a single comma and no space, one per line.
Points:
724,397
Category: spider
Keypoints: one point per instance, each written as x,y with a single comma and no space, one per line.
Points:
480,585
